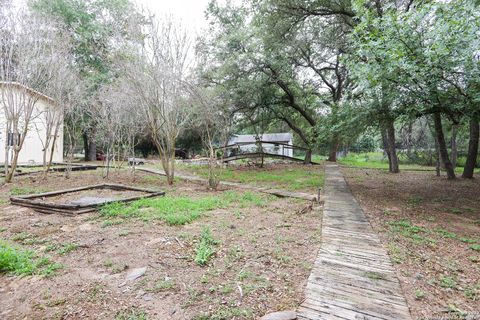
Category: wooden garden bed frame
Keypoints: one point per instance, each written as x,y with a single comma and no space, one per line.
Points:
39,203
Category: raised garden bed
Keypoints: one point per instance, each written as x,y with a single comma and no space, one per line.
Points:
83,199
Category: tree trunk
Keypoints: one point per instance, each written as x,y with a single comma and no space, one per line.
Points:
308,157
389,138
92,150
386,148
86,150
472,149
442,146
332,154
437,162
453,145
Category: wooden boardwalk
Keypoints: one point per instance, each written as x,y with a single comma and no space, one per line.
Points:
353,277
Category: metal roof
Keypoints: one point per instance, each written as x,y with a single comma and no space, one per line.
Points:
267,137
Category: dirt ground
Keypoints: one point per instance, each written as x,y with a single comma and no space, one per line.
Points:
261,263
431,227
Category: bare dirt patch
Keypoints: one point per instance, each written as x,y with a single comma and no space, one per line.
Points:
261,262
431,227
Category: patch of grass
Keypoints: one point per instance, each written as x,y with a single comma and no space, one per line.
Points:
419,294
17,191
27,238
133,314
66,248
414,201
16,261
176,210
475,247
474,259
163,285
224,313
108,223
447,282
455,210
412,232
467,240
293,178
205,247
396,253
472,292
445,233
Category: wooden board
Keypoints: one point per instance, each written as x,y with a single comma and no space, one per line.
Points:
39,202
353,277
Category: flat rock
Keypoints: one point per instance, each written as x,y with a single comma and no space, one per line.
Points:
280,315
136,273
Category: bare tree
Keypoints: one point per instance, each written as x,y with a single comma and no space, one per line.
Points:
158,79
213,123
27,55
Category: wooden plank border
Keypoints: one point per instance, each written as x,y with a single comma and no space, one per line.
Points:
32,200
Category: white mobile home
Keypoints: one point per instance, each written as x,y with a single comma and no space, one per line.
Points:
15,94
274,143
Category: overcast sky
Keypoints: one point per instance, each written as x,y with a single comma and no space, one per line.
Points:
190,12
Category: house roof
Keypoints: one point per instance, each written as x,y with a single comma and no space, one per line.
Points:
27,89
267,137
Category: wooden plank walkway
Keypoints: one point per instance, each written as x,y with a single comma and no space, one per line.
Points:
353,277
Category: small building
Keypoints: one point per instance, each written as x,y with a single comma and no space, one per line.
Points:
13,93
274,143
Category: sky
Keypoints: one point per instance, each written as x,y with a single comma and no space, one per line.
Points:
190,12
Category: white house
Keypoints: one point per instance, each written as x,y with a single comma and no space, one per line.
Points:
15,94
275,143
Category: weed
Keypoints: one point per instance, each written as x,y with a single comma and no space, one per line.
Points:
204,249
19,262
474,259
396,253
410,231
419,294
107,223
447,282
225,312
414,201
467,240
455,211
445,234
226,289
472,292
133,314
475,247
163,285
123,233
2,229
17,191
172,210
66,248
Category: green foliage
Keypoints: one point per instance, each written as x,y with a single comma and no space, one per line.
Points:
133,314
205,247
16,261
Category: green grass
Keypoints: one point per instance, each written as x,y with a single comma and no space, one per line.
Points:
205,247
293,179
14,260
17,191
132,314
177,210
376,160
